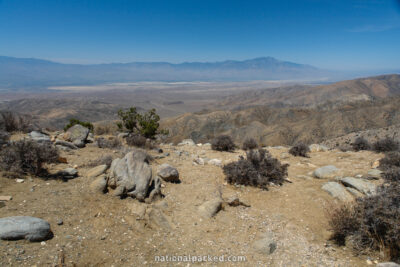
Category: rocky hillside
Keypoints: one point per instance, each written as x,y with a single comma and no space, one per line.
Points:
277,126
301,95
199,215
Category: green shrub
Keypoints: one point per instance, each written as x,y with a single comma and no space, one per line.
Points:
258,169
74,121
146,124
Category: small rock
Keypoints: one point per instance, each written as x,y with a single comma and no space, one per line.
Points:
375,173
188,142
325,172
168,173
387,264
210,208
375,164
60,222
318,148
216,162
19,180
66,144
5,198
99,185
39,137
68,173
199,161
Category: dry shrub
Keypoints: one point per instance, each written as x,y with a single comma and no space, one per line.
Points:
300,150
11,122
249,143
390,159
111,143
258,169
26,156
360,144
4,136
105,128
223,143
136,140
372,223
386,145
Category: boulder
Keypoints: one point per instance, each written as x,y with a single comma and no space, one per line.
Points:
354,192
39,137
99,185
132,176
318,148
198,161
96,171
210,208
77,134
325,172
337,190
168,173
66,144
24,227
365,187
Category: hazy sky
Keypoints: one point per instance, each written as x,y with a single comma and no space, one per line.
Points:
335,34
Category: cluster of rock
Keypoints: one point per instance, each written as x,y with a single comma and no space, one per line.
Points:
75,137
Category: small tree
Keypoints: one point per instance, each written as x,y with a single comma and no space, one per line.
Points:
146,124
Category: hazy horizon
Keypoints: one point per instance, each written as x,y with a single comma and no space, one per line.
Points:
342,35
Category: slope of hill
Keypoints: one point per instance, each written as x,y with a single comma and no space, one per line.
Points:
33,73
302,95
278,126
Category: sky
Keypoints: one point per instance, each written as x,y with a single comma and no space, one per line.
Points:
340,34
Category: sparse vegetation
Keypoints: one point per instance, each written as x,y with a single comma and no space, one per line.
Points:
300,150
249,143
371,223
11,122
146,124
74,121
111,142
223,143
360,144
386,145
136,140
4,136
258,169
105,128
27,156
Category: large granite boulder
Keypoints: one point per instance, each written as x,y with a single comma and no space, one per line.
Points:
77,134
132,176
24,227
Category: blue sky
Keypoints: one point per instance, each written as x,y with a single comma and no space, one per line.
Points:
340,34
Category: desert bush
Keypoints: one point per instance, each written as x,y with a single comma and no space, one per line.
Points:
136,140
392,174
74,121
371,223
258,169
105,128
146,124
26,156
390,159
386,145
300,150
249,143
102,160
223,143
360,144
111,143
11,122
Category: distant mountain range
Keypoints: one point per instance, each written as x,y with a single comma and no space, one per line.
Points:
29,73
